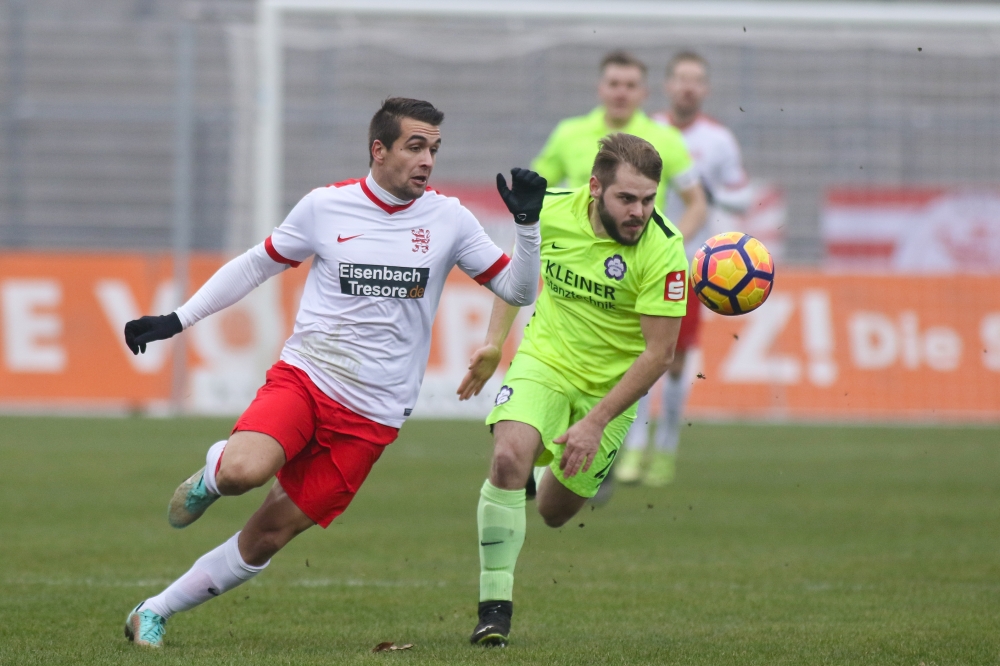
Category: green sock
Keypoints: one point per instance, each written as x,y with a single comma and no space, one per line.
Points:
501,535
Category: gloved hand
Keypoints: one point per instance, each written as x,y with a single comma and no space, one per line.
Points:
525,196
147,329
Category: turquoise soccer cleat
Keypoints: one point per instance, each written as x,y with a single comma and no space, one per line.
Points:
190,500
145,628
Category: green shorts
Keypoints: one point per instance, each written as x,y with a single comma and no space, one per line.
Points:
535,394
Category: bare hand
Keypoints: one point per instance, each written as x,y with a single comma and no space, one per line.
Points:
582,441
482,365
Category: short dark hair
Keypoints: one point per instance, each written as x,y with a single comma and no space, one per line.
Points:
685,56
622,58
385,125
620,148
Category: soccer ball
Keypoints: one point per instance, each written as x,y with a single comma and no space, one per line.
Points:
732,273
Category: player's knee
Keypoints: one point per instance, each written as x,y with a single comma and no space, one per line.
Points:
554,518
508,468
237,476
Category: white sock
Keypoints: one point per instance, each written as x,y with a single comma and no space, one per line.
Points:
215,572
668,431
211,464
638,435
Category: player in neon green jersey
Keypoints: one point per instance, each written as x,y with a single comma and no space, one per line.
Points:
569,152
603,331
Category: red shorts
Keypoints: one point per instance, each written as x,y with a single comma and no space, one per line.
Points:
688,337
329,449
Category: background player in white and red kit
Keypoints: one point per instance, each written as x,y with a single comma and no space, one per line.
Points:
716,156
349,375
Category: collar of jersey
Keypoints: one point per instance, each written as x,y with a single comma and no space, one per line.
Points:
638,118
389,208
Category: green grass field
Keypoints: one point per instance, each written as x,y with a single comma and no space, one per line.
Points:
777,545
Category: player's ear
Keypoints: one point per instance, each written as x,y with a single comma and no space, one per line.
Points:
596,190
378,152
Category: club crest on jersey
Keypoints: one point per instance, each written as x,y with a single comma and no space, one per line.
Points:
421,240
675,286
504,395
614,267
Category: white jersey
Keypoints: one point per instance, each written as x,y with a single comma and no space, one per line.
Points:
363,329
716,156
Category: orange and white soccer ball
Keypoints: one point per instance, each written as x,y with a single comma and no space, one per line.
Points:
732,273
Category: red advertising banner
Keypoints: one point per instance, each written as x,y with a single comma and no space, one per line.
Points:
912,230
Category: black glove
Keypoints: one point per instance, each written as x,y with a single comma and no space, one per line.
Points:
146,329
526,195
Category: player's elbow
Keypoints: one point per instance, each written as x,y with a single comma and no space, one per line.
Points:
518,295
665,364
662,359
520,300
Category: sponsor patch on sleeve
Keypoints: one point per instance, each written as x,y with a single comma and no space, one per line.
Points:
675,287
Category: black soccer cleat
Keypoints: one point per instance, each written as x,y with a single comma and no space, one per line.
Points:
494,623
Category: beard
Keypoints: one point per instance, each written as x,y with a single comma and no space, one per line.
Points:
611,227
412,191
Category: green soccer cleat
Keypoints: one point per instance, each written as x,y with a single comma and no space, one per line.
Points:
494,624
190,500
661,470
145,628
628,467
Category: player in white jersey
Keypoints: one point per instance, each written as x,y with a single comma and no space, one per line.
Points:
349,375
716,156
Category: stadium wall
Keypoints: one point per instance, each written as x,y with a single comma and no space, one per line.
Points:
834,347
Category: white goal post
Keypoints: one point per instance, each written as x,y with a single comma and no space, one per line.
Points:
268,151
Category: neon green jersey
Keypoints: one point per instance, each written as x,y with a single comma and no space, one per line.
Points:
586,321
568,156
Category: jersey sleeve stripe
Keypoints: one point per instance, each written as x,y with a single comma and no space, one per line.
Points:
276,256
493,270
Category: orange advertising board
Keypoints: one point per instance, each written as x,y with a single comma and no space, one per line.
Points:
832,347
841,347
61,322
